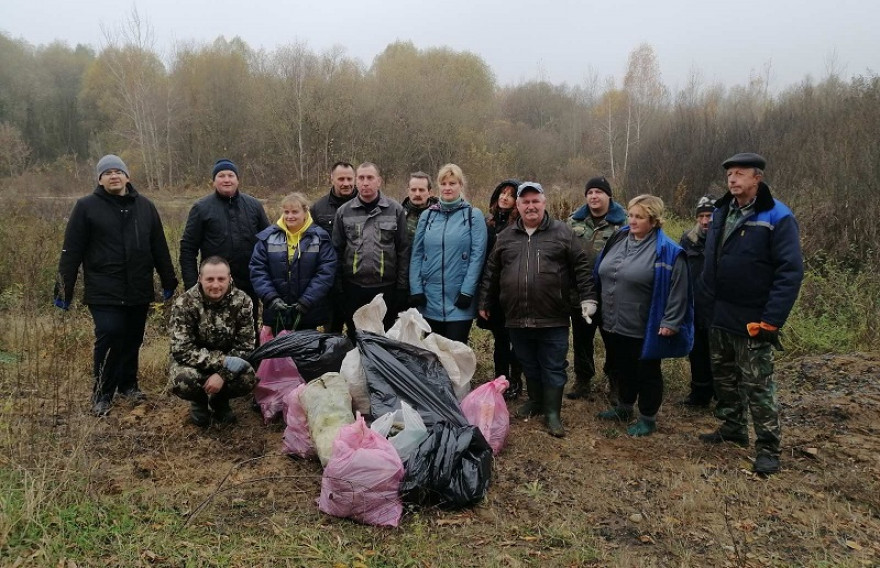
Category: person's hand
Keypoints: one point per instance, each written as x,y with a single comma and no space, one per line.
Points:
463,301
235,365
418,300
214,383
666,332
278,306
485,314
167,294
299,308
588,309
765,332
59,303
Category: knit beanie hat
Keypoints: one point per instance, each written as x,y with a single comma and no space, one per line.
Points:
706,204
599,183
222,165
111,162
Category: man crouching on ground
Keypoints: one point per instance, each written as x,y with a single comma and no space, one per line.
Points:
212,329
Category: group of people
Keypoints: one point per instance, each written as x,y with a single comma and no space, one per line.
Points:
719,297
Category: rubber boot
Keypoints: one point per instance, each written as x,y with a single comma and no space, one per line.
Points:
199,413
535,405
552,409
580,390
515,389
222,412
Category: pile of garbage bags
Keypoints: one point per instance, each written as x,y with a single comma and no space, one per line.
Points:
392,421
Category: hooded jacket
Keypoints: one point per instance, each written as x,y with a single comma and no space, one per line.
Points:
755,274
119,240
447,259
306,278
531,274
225,227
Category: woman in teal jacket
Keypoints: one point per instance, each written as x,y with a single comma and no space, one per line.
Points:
447,258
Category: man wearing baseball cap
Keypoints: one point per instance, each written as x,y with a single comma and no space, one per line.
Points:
529,272
117,236
224,223
753,272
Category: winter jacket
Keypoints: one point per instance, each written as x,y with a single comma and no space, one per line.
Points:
203,332
694,244
531,274
119,241
447,260
670,301
306,278
755,274
225,227
323,211
594,233
412,216
371,247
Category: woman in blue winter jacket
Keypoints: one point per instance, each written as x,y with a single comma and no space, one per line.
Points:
447,258
292,269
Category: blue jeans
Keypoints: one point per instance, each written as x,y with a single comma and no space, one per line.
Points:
119,333
542,353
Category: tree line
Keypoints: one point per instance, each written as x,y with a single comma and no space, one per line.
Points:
285,115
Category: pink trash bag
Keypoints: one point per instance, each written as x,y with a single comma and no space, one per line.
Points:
362,478
297,440
277,378
484,407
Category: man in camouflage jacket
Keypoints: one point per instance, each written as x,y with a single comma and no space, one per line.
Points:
211,333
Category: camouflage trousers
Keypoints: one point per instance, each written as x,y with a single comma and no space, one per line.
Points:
743,374
188,383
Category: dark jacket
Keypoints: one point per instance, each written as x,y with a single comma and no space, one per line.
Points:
694,244
119,241
412,215
323,211
496,221
305,279
594,233
222,226
755,274
531,275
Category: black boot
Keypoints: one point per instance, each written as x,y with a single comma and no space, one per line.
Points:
535,405
515,380
199,413
581,389
552,409
222,412
613,390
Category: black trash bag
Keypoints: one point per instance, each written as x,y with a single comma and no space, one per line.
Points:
451,468
313,352
398,371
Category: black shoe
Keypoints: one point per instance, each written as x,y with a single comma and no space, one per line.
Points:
580,390
766,465
514,390
694,400
718,437
200,414
222,412
101,408
134,395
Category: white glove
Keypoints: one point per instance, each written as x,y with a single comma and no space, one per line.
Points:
588,308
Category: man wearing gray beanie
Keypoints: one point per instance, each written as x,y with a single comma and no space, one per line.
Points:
117,237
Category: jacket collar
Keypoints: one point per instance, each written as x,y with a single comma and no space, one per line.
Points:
615,216
763,199
545,222
337,200
129,195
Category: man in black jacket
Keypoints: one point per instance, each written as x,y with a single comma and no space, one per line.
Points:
117,236
530,270
225,224
342,190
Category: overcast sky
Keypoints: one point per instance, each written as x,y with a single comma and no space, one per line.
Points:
521,40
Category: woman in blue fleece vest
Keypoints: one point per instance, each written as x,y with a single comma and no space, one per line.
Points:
647,310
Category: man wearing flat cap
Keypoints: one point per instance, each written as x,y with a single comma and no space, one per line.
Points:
530,271
117,236
593,223
224,223
753,272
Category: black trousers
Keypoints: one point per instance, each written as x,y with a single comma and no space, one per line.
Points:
582,334
119,333
502,354
454,330
639,379
701,364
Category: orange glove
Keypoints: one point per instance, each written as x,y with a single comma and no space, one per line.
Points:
765,332
755,328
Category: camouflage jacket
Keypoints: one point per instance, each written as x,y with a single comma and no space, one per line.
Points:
204,332
594,234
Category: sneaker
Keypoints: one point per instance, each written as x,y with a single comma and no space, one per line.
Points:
719,437
101,408
642,428
766,465
616,413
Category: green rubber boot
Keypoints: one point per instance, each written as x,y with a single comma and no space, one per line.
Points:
616,413
642,428
535,405
552,409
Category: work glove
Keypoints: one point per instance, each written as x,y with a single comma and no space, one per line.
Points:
166,294
59,303
463,301
298,308
278,306
235,365
418,300
765,332
588,309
